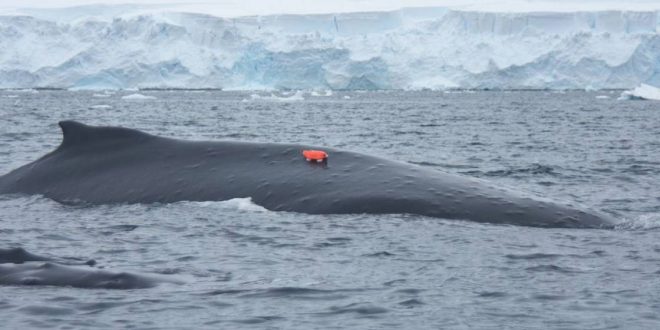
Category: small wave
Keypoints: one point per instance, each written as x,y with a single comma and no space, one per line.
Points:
410,291
534,169
532,256
357,308
295,293
248,238
649,221
138,96
492,294
411,303
259,319
226,292
241,204
548,297
379,254
112,230
550,268
443,165
641,169
39,310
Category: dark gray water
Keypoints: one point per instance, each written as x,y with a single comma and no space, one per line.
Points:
245,267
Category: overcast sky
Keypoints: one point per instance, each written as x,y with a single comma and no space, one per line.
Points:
261,7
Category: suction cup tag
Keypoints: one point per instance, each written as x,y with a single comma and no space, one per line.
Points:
315,156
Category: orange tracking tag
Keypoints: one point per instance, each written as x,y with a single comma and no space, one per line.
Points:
315,155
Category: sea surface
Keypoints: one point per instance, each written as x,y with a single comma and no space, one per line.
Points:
242,266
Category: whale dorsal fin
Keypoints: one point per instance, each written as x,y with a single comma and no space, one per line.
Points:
76,134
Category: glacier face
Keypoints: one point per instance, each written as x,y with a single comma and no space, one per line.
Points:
405,49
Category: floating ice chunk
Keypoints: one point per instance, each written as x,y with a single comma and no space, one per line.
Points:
321,93
101,106
602,97
346,97
138,96
642,92
100,95
298,96
626,96
25,90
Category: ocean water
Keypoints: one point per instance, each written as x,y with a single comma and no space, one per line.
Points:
241,266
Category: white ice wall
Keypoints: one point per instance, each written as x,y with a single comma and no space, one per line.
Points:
403,49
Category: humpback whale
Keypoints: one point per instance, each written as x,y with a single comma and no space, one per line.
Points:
19,267
105,165
53,274
19,256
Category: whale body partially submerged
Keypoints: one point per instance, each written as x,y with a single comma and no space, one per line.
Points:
19,267
103,165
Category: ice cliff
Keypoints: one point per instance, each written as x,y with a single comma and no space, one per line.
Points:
403,49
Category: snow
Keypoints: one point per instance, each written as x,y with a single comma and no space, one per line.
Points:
137,96
453,47
642,92
75,9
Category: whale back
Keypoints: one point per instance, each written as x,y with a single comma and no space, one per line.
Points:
104,165
78,135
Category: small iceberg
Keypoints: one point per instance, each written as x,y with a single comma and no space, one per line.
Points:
643,92
25,90
106,93
298,96
321,93
602,97
101,106
137,96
